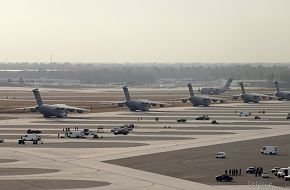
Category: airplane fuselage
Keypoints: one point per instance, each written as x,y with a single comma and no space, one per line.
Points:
51,111
211,90
136,105
199,101
283,95
250,98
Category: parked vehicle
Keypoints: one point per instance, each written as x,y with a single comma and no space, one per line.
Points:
130,126
75,134
1,140
214,122
269,150
30,131
181,120
287,178
257,117
265,175
204,117
244,114
117,131
87,132
250,170
275,170
29,137
223,177
283,172
220,155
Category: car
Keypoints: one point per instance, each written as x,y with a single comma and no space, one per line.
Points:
1,140
275,170
181,120
250,170
287,178
265,175
244,113
214,122
122,130
224,177
204,117
30,131
257,117
130,126
220,155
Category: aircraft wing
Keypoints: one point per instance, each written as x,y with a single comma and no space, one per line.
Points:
236,97
32,109
183,100
70,108
154,103
214,99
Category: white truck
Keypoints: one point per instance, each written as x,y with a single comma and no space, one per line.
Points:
80,134
272,150
283,172
29,137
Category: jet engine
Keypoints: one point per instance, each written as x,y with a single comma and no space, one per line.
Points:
184,100
80,111
33,109
121,104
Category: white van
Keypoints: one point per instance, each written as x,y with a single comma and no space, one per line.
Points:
220,155
269,150
283,172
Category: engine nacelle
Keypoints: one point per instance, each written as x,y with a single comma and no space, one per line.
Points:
184,100
33,109
80,111
121,104
222,101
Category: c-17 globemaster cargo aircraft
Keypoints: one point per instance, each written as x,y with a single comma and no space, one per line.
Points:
217,90
137,105
54,110
199,100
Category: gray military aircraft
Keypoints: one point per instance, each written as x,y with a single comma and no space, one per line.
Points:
199,100
250,97
137,105
54,110
217,90
282,95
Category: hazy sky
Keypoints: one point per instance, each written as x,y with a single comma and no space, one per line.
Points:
145,30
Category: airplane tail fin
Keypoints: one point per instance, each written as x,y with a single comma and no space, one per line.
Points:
37,96
228,84
242,87
126,92
190,89
277,86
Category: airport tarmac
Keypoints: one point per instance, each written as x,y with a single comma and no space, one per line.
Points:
157,154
